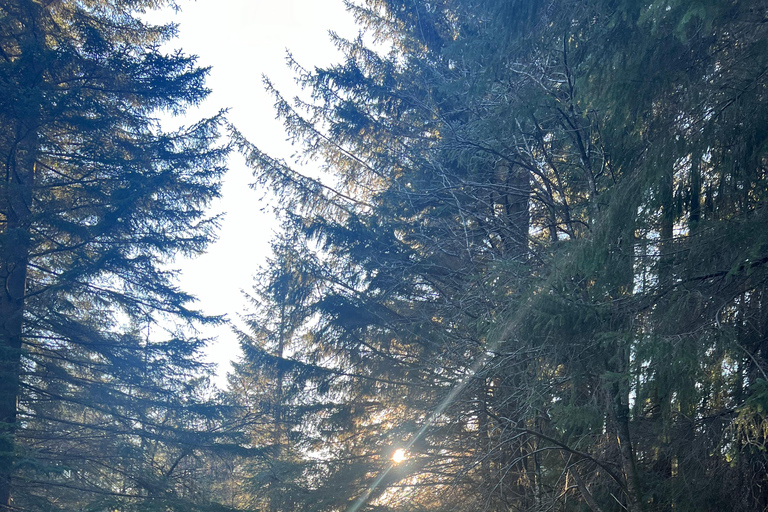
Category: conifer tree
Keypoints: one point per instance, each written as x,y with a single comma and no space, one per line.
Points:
539,250
95,200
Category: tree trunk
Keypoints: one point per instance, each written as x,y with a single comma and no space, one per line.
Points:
620,412
14,257
584,490
695,200
19,154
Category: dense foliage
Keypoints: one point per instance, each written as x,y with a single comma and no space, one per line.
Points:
101,392
537,260
532,257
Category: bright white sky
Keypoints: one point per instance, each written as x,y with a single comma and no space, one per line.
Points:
242,40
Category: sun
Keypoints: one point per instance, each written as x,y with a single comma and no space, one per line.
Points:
399,456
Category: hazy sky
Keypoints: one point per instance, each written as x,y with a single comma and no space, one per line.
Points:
242,40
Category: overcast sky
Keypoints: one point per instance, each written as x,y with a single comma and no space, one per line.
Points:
243,40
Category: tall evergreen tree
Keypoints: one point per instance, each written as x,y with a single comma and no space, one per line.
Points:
537,254
95,200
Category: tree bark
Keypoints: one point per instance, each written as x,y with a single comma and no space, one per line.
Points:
620,411
14,257
18,180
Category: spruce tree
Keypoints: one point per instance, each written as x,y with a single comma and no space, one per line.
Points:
539,248
96,200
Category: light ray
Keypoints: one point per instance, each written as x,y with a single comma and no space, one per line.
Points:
367,494
458,388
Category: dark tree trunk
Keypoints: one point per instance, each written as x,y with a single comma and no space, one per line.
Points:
14,256
620,413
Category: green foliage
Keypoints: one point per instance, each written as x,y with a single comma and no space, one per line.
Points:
101,393
537,257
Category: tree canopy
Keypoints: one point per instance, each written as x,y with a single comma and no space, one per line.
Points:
527,272
100,382
536,260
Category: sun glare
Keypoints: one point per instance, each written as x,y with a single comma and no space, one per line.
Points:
399,456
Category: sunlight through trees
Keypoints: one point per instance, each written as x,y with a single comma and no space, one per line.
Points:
527,272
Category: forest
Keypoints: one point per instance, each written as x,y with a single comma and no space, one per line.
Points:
522,265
